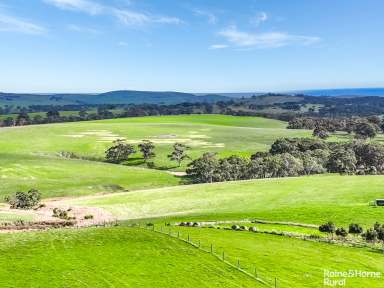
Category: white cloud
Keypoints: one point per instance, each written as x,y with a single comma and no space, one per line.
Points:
85,6
125,16
264,40
82,29
13,24
218,46
211,18
259,18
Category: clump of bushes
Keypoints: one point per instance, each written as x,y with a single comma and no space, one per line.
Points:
328,227
355,229
62,214
341,232
235,227
24,200
88,217
252,229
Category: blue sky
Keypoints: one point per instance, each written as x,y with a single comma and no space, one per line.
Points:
190,45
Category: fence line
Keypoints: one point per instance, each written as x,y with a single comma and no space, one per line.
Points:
221,257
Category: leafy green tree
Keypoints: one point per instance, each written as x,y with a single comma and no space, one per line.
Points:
320,132
365,130
22,119
179,153
53,115
342,160
204,169
119,152
146,148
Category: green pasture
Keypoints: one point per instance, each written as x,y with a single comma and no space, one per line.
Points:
294,262
110,257
203,133
307,199
64,177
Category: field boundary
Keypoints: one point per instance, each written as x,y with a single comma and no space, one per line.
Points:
211,252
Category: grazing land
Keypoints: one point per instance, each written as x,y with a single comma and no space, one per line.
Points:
309,199
110,257
67,160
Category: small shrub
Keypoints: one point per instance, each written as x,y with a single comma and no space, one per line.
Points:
328,227
243,228
150,224
341,232
370,235
182,224
189,224
235,227
196,224
24,200
355,229
87,217
62,214
150,165
252,229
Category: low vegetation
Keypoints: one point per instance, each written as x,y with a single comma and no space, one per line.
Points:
24,200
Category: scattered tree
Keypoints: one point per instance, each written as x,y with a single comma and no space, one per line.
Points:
119,152
146,148
178,153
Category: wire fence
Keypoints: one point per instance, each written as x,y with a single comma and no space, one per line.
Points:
220,254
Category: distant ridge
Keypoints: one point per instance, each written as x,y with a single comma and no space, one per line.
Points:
344,92
112,97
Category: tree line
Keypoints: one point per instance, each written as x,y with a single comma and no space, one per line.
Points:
361,127
291,157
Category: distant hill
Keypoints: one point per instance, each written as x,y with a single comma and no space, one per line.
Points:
347,92
113,97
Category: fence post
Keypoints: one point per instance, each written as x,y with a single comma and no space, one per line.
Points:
178,234
255,272
188,238
238,263
223,256
161,229
211,248
275,282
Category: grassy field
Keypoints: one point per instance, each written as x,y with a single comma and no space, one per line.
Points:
296,263
30,159
61,177
203,133
110,257
311,199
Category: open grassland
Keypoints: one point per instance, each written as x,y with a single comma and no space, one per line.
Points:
296,263
203,133
30,154
110,257
310,199
61,177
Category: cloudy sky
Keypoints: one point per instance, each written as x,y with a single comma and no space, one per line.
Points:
190,45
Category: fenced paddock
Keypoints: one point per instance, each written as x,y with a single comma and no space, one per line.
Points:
217,252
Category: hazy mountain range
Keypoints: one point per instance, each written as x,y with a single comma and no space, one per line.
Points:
152,97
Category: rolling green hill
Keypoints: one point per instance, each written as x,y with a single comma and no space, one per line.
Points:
307,199
110,257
